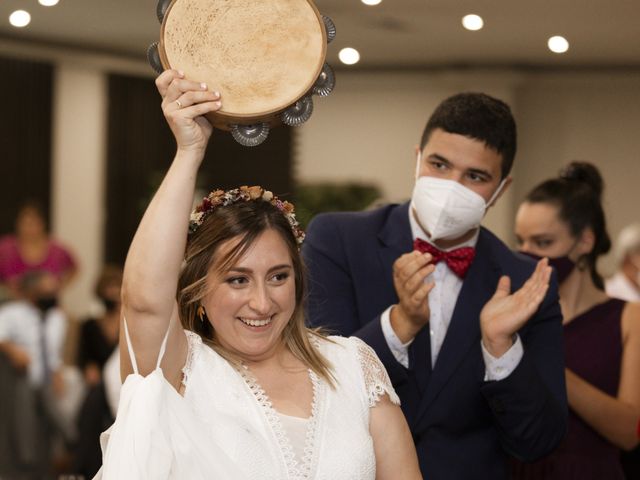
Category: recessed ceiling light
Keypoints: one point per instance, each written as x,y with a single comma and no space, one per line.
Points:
558,44
48,3
472,22
349,56
20,18
371,2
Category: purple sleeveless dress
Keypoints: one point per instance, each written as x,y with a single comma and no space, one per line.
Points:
593,351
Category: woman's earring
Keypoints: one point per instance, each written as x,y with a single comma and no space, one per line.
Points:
201,313
582,263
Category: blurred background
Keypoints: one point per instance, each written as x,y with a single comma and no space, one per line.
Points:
83,139
82,132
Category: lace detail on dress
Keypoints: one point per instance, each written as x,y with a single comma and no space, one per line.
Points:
193,340
376,378
294,471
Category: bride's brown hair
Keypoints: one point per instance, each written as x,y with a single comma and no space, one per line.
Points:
244,221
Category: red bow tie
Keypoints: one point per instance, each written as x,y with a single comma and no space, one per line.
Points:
458,260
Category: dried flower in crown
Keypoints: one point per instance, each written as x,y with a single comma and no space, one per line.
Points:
221,198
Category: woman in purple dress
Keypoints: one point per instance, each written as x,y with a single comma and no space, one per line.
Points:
563,219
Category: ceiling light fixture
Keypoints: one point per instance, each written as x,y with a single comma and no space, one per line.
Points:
349,56
20,18
558,44
472,22
48,3
371,2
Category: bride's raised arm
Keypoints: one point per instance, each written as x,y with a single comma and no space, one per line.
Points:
156,252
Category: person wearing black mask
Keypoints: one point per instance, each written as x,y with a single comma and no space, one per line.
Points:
99,336
98,339
32,333
563,219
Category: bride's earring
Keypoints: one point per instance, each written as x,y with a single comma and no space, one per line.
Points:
201,313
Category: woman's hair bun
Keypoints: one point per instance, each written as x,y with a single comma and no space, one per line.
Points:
584,172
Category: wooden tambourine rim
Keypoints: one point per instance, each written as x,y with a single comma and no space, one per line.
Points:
222,120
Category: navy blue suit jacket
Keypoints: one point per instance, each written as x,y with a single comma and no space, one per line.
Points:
463,427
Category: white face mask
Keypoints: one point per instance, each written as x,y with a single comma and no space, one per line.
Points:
446,209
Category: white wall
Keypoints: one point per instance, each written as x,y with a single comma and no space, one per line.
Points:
79,120
370,125
367,130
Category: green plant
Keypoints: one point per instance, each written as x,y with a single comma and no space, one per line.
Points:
317,197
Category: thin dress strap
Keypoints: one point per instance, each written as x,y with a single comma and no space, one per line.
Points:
163,347
132,355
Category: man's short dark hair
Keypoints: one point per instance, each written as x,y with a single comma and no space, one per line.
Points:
478,116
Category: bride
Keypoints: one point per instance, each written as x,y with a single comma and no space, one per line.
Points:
223,380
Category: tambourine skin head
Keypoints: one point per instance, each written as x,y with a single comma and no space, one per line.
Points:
261,55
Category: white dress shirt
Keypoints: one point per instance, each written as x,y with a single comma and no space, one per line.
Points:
442,301
21,325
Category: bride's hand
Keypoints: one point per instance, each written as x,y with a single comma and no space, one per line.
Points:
184,103
506,312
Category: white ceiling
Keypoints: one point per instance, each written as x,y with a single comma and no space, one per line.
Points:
396,33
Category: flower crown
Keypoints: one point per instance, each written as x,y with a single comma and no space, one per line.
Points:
221,198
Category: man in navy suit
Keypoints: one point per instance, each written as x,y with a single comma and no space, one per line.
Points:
479,370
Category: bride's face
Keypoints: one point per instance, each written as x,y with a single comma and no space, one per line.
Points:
250,303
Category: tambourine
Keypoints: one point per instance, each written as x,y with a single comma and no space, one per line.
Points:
265,57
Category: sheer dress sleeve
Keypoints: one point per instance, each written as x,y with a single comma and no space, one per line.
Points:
376,378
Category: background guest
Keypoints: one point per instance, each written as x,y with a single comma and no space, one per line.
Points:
98,340
32,248
32,332
563,219
99,336
625,283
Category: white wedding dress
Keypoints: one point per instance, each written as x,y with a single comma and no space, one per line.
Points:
224,427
